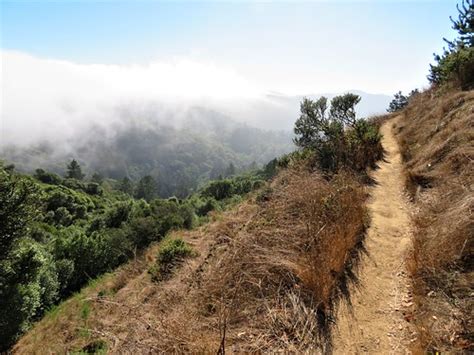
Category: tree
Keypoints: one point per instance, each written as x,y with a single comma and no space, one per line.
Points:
27,278
343,109
338,137
218,189
146,188
399,102
74,170
47,177
126,185
312,123
97,178
464,25
18,206
230,171
456,64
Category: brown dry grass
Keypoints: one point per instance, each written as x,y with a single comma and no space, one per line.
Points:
267,277
436,135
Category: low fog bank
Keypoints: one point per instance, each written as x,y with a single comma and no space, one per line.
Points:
181,122
54,100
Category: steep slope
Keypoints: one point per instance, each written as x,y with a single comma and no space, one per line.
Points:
266,276
436,135
374,321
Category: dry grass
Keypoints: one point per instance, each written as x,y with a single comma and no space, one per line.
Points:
266,277
436,134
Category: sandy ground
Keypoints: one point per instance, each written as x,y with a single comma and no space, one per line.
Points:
376,322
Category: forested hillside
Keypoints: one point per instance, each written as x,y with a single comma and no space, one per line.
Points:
57,234
79,243
180,160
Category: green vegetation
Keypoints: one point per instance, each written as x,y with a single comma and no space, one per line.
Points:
338,138
456,64
57,234
171,253
151,160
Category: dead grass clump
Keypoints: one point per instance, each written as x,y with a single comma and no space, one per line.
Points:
436,135
279,277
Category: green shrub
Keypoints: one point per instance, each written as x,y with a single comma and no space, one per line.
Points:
62,216
338,139
219,189
456,66
28,285
206,206
93,188
117,214
171,253
47,177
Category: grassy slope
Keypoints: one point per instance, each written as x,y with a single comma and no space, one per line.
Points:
267,276
436,134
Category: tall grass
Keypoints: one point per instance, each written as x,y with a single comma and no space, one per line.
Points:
436,134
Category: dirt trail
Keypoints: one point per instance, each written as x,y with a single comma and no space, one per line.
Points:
375,323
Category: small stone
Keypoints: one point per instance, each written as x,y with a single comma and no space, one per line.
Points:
431,294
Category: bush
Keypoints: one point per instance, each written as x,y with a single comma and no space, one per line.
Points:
456,67
29,284
47,177
93,188
209,204
338,139
143,231
117,214
90,255
172,252
456,64
219,189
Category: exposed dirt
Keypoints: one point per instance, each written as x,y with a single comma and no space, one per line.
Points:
377,321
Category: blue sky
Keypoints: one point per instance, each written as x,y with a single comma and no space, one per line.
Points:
290,47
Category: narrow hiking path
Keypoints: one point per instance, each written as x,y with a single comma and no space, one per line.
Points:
375,323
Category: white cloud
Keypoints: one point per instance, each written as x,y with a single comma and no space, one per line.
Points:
53,99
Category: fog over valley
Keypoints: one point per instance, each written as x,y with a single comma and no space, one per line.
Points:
180,121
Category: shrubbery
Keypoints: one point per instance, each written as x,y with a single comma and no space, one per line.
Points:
171,253
456,64
337,137
56,237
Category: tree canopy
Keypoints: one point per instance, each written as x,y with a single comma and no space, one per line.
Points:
74,170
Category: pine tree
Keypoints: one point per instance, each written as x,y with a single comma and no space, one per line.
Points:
399,102
464,25
74,170
146,188
456,64
231,170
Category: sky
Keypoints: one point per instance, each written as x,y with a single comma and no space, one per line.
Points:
69,65
292,47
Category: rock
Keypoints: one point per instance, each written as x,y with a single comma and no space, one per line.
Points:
431,294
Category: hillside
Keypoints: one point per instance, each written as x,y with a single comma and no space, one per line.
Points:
436,135
59,234
181,157
253,282
266,275
322,258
